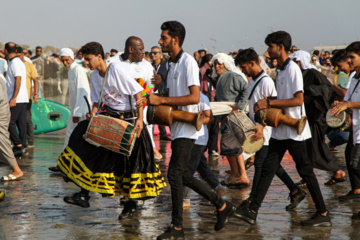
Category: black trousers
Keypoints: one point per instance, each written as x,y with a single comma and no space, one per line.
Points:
298,151
179,176
354,173
29,124
18,119
162,131
214,135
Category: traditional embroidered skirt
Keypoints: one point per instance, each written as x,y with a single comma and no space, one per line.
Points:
100,170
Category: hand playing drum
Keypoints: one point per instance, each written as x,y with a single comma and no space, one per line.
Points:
261,104
341,106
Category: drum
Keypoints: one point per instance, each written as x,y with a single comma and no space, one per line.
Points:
240,125
165,115
274,116
111,133
342,121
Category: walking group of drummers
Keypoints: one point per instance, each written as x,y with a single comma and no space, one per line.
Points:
109,147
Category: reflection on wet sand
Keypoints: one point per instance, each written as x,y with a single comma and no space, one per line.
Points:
34,209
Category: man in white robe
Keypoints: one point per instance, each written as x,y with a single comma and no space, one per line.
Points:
78,88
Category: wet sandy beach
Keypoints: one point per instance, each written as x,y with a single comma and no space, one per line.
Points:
34,206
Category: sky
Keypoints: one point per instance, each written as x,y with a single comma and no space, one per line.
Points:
214,25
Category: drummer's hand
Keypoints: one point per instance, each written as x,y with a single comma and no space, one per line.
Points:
234,108
141,102
339,108
336,102
259,132
140,125
89,115
76,119
261,104
154,99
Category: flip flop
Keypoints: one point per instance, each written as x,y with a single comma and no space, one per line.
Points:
234,183
9,178
334,181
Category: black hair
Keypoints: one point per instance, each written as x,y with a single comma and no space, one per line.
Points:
38,47
147,54
354,47
246,56
94,48
339,56
279,37
19,49
316,52
176,29
10,47
327,52
30,52
202,50
114,50
54,55
206,59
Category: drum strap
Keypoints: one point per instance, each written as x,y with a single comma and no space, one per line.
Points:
354,89
257,83
101,93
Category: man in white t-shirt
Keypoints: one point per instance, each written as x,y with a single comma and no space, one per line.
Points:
290,98
337,137
18,98
352,100
262,85
133,60
184,92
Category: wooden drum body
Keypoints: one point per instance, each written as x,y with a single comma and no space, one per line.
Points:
165,115
274,117
342,121
240,125
111,133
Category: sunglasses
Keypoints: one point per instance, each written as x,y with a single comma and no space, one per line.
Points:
154,53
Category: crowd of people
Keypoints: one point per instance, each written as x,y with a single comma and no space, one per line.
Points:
121,85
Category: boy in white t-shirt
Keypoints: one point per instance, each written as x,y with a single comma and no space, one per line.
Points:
184,92
261,84
198,161
352,100
290,98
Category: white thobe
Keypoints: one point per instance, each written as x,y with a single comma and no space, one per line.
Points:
78,88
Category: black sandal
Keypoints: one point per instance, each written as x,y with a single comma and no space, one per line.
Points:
333,180
301,184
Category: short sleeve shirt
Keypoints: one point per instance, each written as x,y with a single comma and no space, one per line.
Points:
266,87
349,81
183,74
31,73
203,134
118,87
16,69
355,97
289,81
141,69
